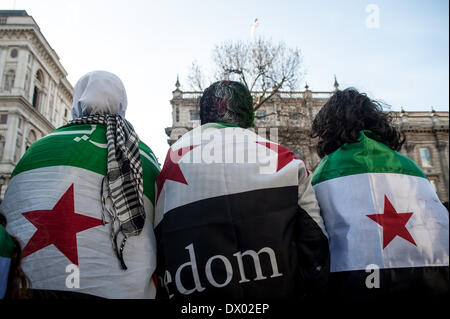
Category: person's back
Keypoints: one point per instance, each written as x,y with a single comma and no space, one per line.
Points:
59,202
236,216
388,229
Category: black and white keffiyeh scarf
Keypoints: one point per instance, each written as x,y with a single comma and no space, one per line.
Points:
123,183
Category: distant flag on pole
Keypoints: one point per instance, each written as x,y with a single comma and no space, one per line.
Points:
254,26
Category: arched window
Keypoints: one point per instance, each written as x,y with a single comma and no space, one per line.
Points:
177,114
36,97
40,77
8,82
31,138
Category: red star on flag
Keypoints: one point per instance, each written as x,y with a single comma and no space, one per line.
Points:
393,223
58,226
171,170
285,156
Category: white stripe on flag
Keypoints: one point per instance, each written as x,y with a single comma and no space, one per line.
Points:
356,241
100,272
151,160
212,180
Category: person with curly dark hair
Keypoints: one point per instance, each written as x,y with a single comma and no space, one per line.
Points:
388,231
346,114
14,283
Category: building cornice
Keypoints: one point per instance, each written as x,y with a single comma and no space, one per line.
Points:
31,33
29,109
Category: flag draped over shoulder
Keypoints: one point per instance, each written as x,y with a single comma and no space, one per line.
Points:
235,217
6,251
53,205
381,212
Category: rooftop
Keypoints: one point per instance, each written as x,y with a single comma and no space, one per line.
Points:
13,13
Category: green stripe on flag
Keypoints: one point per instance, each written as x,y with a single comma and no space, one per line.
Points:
227,124
83,146
6,243
365,156
214,125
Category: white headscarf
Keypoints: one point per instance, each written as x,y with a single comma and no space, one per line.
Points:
99,93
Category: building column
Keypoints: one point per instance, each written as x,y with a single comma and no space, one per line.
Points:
10,138
19,82
4,180
441,149
409,147
3,54
440,146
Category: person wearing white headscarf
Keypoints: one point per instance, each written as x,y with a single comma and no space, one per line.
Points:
99,93
80,194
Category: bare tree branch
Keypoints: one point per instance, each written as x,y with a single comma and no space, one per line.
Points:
195,77
264,67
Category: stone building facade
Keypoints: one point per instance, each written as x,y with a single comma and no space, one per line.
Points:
35,95
291,115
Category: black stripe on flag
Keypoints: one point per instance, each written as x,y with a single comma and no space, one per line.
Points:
413,282
244,245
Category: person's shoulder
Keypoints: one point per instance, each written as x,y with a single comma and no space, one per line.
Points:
148,155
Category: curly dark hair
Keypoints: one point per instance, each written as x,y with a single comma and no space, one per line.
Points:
227,102
348,112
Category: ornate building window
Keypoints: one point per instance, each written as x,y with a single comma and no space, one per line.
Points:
14,53
177,114
425,157
40,76
31,138
260,115
8,82
194,115
37,94
3,118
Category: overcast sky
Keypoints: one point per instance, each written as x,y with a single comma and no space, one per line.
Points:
401,58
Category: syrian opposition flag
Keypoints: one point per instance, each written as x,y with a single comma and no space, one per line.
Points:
381,212
229,203
53,206
6,251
